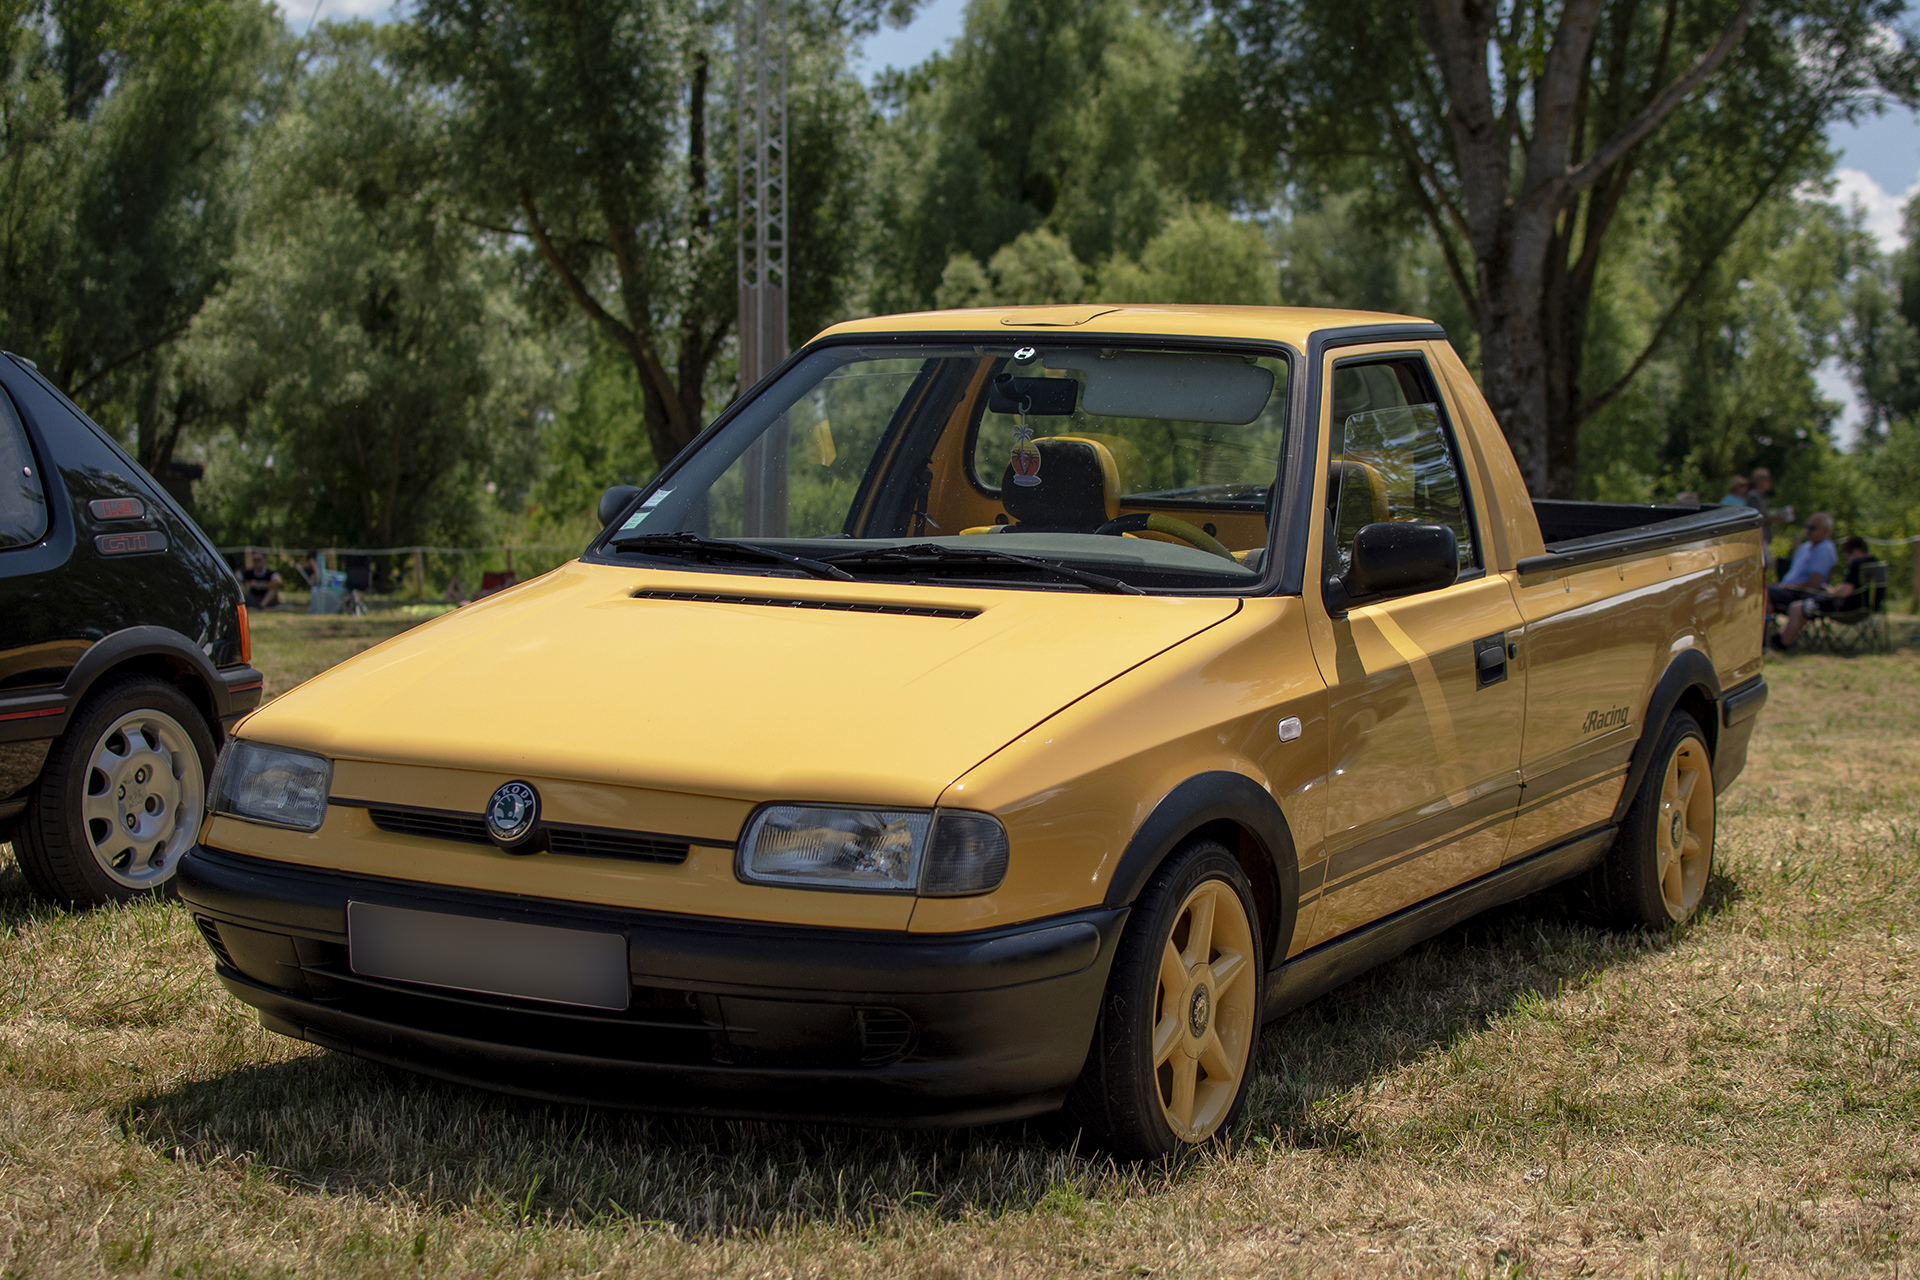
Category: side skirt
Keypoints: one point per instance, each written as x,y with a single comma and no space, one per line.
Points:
1312,974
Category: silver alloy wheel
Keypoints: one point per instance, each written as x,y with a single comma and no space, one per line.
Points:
145,794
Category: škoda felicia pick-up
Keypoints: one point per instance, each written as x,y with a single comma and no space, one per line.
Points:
994,711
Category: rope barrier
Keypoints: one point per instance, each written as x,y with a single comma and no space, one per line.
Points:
1893,542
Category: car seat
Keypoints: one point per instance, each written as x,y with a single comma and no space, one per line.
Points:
1079,489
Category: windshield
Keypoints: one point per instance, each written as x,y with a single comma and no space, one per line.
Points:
1071,467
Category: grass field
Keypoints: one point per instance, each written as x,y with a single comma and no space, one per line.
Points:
1525,1095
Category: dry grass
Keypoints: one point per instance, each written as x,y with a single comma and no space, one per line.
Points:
1524,1095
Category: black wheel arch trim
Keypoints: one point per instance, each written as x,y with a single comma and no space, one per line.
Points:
229,691
1201,800
1690,670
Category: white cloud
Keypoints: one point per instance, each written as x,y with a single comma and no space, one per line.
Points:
1856,189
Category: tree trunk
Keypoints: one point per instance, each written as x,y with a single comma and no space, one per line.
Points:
1513,361
1532,316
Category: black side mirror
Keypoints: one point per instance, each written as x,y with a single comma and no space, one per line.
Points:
614,501
1395,559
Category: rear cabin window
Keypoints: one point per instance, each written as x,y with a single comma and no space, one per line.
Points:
23,502
1392,456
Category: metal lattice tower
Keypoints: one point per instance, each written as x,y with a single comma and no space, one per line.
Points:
760,50
760,63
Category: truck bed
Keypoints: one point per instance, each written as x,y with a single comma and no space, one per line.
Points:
1578,533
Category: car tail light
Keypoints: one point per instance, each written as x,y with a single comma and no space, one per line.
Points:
246,637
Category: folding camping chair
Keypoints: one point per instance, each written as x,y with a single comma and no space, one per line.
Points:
359,582
1860,629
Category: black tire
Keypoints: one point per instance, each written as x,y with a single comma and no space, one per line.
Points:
67,851
1121,1101
1640,885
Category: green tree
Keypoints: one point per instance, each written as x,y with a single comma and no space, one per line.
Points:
124,131
597,131
1883,330
1201,256
1521,133
1080,120
1732,387
368,345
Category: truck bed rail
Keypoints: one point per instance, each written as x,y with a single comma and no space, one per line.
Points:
1583,533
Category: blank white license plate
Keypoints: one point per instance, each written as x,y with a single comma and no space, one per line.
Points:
494,957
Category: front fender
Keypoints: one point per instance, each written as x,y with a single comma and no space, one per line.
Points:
1201,801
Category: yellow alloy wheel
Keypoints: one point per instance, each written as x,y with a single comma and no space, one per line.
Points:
1683,831
1204,1016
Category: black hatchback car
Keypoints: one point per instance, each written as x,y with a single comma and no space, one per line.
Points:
124,656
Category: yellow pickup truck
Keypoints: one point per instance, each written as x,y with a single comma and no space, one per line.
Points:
994,711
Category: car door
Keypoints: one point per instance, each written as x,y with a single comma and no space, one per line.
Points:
1425,710
33,655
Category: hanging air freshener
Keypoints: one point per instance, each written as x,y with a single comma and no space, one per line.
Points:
1026,455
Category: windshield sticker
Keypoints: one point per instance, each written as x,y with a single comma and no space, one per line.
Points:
1026,457
646,508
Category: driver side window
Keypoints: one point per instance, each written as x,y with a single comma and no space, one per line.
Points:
1391,457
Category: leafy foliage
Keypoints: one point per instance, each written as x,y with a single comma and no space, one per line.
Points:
124,132
367,346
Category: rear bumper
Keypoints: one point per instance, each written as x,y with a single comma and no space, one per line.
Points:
1739,715
727,1017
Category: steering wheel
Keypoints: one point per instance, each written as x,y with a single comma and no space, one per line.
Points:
1154,522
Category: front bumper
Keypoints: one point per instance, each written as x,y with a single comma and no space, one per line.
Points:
727,1017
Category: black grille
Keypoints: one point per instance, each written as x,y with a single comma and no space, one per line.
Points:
211,932
838,606
578,842
434,826
884,1034
597,842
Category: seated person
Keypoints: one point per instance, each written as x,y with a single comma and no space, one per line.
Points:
261,584
1836,599
1813,560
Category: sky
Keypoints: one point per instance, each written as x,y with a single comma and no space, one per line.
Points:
1878,166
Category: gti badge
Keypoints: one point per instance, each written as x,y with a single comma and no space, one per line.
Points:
512,813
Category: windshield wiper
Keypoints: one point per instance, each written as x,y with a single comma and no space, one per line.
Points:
922,552
692,544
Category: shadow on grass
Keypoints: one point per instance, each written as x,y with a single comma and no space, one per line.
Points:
1442,991
330,1121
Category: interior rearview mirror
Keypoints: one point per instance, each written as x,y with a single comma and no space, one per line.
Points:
614,501
1395,559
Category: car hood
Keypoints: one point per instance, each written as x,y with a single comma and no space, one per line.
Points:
731,685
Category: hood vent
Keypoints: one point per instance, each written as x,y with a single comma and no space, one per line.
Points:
839,606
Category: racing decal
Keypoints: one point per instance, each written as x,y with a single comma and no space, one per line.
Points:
1610,718
117,508
130,544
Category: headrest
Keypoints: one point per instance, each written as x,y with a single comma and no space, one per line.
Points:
1079,488
1362,482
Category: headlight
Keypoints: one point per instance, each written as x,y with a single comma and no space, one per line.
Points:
272,784
938,853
